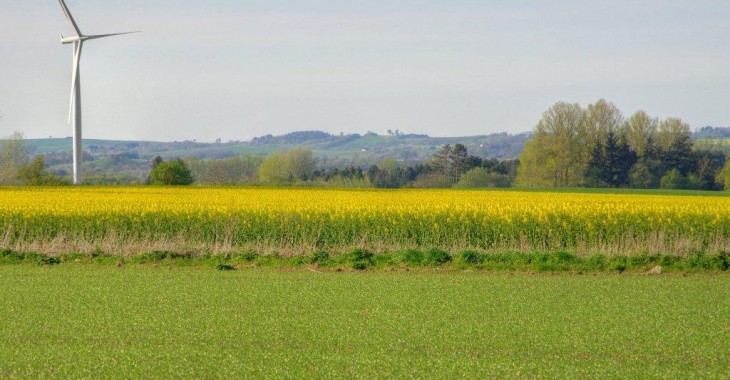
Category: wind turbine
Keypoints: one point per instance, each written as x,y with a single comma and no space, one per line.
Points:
74,109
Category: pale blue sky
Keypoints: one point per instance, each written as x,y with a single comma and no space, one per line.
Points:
235,69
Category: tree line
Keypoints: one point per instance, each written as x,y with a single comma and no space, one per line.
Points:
451,166
596,146
572,146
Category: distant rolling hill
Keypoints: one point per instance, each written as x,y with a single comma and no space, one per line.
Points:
352,148
111,161
130,159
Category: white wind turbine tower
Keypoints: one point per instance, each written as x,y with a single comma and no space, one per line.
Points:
74,112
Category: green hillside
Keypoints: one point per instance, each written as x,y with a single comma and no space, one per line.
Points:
128,161
344,147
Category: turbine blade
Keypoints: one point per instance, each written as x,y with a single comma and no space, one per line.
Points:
93,37
74,77
69,17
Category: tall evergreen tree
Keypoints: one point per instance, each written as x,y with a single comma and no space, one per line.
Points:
610,162
594,173
679,155
619,160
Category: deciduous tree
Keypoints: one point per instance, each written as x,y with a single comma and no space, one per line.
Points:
641,131
35,174
287,166
14,154
554,157
173,172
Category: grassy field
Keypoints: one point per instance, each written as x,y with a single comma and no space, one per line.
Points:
146,321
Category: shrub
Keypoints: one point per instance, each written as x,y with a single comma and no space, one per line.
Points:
435,256
562,257
249,256
5,252
668,261
639,261
618,263
595,262
298,260
10,256
720,261
551,261
49,261
321,258
471,257
224,267
411,257
674,180
155,256
360,259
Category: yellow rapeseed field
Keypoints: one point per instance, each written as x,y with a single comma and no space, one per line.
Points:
296,220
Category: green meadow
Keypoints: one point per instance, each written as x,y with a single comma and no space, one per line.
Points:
159,321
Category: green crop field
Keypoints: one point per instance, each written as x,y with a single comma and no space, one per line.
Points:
152,321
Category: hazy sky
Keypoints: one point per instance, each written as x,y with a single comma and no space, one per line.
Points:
235,69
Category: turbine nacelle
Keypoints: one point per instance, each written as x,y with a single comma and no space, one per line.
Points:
73,39
69,40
